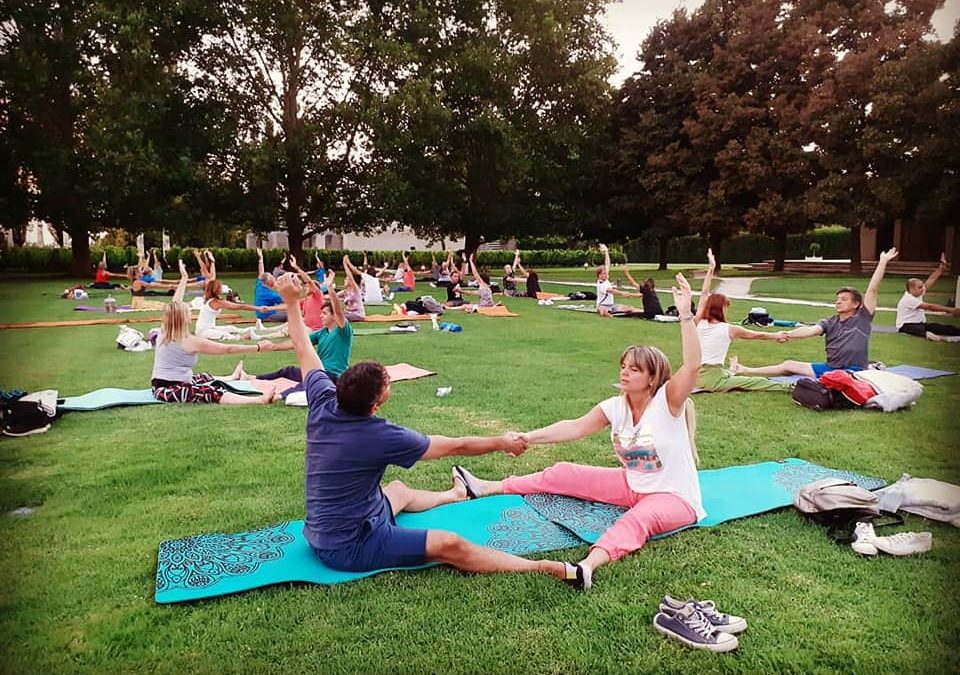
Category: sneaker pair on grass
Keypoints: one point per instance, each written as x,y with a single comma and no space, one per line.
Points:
698,624
866,541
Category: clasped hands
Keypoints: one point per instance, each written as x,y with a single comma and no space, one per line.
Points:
515,443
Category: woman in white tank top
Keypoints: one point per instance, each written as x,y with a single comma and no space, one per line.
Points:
715,338
213,303
657,478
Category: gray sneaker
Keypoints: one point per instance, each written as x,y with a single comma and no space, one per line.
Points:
725,623
691,627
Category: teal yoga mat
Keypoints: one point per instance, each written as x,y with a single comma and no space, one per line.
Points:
112,397
728,493
215,564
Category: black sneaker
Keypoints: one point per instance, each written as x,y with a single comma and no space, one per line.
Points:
17,431
578,576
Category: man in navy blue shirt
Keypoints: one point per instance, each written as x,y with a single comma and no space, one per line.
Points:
350,517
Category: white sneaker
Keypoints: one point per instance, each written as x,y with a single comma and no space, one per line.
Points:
905,543
863,539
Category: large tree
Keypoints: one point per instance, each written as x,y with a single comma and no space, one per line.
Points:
485,133
297,76
101,126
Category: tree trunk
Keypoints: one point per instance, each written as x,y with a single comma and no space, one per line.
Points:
779,250
856,265
471,243
662,254
80,246
955,253
716,241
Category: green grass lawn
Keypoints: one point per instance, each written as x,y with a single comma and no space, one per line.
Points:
108,486
805,287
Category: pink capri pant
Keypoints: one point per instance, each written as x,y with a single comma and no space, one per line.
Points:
649,514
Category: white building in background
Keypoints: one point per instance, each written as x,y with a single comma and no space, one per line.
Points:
39,233
398,239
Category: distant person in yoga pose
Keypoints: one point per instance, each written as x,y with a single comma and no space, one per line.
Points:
213,303
265,296
529,276
606,307
716,335
847,333
657,480
103,276
350,518
509,278
910,310
173,379
352,293
648,291
333,342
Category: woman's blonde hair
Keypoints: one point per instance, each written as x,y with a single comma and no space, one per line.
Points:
649,360
176,322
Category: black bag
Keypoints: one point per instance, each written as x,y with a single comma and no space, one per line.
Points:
416,306
758,316
24,418
839,505
582,295
812,394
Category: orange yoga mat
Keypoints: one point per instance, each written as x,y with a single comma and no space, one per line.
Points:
549,296
225,318
404,371
496,310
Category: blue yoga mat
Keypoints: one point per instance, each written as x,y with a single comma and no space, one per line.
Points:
913,372
215,564
112,397
728,493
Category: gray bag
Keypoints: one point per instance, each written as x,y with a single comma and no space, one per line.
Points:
839,505
829,494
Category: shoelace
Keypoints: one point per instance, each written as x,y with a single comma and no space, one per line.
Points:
709,610
698,623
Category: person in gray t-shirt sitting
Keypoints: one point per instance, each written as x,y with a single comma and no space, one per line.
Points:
847,333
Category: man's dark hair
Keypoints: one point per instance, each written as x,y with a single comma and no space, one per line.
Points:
360,386
854,293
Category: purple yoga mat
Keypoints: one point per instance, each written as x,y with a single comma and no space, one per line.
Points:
91,308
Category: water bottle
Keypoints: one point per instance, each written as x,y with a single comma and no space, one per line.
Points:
109,304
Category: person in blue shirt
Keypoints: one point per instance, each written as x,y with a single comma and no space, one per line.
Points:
350,518
265,296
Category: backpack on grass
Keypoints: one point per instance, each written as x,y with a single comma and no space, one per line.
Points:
758,316
839,505
815,395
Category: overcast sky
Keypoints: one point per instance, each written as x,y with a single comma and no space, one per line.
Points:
629,22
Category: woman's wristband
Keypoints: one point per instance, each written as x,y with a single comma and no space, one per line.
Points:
689,317
258,346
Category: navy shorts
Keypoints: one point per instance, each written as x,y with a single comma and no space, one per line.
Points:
820,368
378,548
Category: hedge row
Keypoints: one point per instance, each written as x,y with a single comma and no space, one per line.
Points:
834,242
35,259
743,248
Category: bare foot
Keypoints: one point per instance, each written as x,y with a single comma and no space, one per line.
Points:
237,372
735,366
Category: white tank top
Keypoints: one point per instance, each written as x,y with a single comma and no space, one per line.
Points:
207,318
656,450
714,342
